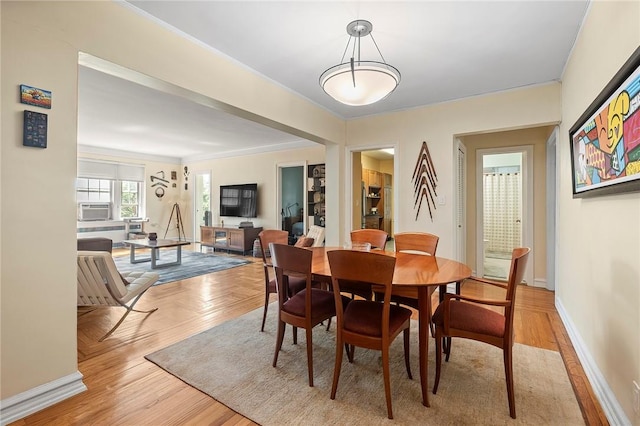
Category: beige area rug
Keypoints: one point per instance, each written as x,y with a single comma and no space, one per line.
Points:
232,363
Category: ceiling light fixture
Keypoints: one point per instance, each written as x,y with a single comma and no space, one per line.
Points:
357,82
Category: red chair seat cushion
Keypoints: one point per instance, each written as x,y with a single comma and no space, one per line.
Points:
322,304
296,284
365,317
471,317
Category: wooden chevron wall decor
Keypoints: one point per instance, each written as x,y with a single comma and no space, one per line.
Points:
425,181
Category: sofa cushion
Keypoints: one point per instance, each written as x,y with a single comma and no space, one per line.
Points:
95,244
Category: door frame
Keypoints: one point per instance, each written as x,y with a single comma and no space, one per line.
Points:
460,204
527,205
348,183
194,219
279,166
552,211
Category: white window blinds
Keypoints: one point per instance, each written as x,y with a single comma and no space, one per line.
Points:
95,169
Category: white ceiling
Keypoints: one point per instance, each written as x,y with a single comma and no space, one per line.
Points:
445,50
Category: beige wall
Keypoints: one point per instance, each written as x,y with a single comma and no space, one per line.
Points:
38,283
537,137
158,210
439,125
261,169
598,276
386,166
598,249
370,163
40,46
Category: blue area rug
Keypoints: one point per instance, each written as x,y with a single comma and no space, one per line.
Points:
193,264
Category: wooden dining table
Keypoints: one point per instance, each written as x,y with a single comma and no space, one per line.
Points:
414,273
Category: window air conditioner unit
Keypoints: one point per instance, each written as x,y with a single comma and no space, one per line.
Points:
94,211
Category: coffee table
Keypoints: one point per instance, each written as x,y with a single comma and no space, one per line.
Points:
155,246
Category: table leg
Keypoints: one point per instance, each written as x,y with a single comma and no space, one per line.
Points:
154,252
179,254
424,320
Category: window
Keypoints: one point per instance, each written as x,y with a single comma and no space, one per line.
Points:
120,185
93,190
129,199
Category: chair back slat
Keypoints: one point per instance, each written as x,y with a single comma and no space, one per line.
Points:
98,278
290,260
416,242
376,237
519,257
269,236
92,284
363,267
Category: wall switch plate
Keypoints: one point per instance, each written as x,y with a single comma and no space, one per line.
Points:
636,398
442,200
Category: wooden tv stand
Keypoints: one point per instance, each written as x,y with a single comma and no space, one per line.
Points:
229,238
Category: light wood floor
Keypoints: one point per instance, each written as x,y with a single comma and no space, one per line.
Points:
125,389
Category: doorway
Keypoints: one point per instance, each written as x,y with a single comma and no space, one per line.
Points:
371,189
202,215
291,186
504,213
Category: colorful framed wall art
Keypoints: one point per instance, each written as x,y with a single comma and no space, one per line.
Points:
34,96
605,141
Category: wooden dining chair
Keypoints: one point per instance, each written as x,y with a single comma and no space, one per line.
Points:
376,237
365,240
463,316
366,323
418,243
267,237
305,309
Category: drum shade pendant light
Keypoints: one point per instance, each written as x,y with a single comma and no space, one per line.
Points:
358,82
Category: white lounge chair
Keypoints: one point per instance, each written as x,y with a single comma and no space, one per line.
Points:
317,233
101,285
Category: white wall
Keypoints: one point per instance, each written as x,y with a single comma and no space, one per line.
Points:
598,252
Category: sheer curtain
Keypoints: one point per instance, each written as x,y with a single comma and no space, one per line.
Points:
502,212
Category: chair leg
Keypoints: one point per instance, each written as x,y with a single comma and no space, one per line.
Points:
508,370
441,292
328,324
438,340
266,305
129,309
310,354
447,347
279,339
337,366
351,350
407,364
387,381
295,335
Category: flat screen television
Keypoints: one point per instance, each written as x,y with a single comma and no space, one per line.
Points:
239,200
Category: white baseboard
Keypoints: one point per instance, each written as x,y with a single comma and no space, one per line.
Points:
540,282
19,406
610,405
